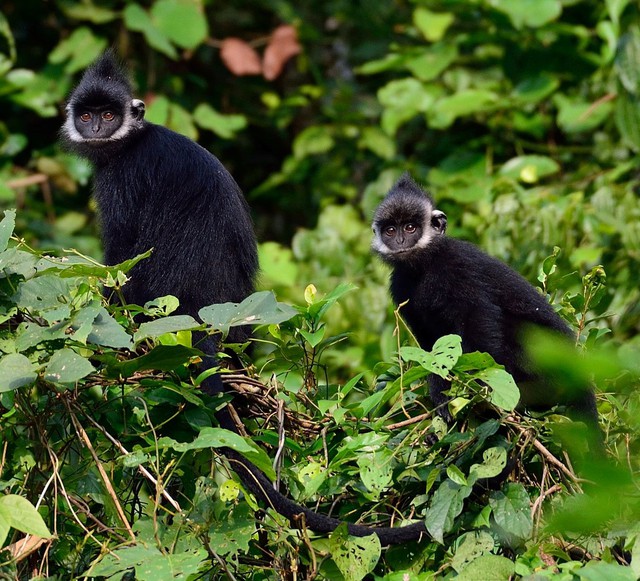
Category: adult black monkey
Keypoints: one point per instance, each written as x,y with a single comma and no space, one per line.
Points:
157,189
452,287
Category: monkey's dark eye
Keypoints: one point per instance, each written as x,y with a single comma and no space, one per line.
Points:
108,116
86,117
390,231
410,228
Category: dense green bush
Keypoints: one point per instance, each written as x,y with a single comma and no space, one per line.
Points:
522,117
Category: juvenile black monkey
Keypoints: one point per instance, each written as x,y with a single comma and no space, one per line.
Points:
452,287
157,189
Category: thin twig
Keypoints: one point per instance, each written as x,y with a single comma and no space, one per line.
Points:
409,422
103,474
277,461
142,469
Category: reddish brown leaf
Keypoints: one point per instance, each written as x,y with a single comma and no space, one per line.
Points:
282,46
240,57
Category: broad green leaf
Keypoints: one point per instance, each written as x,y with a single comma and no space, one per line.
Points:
504,391
226,126
616,8
106,331
627,61
432,25
531,13
488,568
432,61
20,514
376,470
66,366
356,557
160,358
15,371
442,358
182,21
170,324
493,462
6,228
473,545
512,510
446,505
628,118
150,564
260,308
603,571
314,339
579,116
79,50
312,141
529,168
277,264
446,110
377,141
137,19
220,438
534,89
392,61
403,99
233,534
91,12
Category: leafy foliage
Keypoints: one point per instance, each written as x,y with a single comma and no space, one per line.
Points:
521,116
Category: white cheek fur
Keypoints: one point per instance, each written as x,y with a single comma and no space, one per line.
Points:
74,135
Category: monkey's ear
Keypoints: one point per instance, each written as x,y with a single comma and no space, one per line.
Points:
137,108
439,221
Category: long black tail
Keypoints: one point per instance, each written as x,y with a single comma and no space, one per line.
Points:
254,479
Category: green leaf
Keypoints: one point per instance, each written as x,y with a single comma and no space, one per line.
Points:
160,358
137,19
628,118
182,21
535,89
446,505
91,12
532,13
493,462
171,324
220,438
529,168
66,366
314,339
446,110
313,141
403,99
80,49
277,264
432,25
226,126
602,571
512,510
442,358
488,568
149,563
378,142
376,470
504,391
234,533
106,331
471,546
260,308
356,557
15,371
6,228
578,116
627,61
432,61
20,514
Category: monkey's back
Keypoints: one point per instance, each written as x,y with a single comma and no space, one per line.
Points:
454,287
161,190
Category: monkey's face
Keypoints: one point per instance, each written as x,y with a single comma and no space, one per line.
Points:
97,123
406,224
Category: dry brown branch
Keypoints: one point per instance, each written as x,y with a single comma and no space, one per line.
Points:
410,421
142,469
105,478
